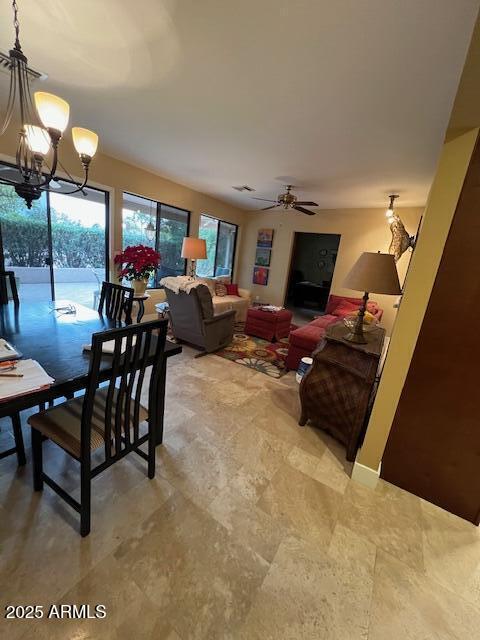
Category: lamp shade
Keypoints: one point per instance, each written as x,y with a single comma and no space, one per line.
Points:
52,110
194,249
375,273
38,139
85,141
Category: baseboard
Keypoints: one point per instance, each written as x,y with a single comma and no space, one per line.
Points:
366,476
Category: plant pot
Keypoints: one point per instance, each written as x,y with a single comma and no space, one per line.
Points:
139,286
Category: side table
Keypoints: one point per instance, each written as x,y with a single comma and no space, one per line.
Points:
336,392
140,301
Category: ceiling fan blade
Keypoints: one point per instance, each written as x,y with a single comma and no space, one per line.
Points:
309,213
306,203
274,206
264,199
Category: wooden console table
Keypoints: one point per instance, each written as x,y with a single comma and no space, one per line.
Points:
335,393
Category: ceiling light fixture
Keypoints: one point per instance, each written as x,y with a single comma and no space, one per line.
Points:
42,124
150,228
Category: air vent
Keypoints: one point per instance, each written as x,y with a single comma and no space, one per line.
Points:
5,66
244,187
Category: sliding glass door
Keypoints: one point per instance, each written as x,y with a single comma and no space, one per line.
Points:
26,244
79,243
220,238
57,249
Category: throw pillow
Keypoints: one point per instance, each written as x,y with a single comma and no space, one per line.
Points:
373,307
368,318
232,290
220,289
344,308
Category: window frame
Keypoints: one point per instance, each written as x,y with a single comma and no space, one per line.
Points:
234,254
158,217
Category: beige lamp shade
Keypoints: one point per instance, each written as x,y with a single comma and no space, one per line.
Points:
375,273
194,249
52,110
85,141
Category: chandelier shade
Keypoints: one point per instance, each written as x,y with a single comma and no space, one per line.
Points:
43,121
84,141
52,110
37,139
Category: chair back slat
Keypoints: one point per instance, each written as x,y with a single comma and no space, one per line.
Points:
140,380
109,404
116,302
137,351
137,347
122,416
8,288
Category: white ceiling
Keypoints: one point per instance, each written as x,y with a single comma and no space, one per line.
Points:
348,99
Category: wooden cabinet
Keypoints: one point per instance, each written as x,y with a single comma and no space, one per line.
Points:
335,394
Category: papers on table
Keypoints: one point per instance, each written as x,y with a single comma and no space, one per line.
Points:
109,346
7,352
34,378
271,308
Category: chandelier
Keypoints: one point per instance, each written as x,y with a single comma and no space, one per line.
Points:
42,124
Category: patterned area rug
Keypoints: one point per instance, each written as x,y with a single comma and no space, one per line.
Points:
255,353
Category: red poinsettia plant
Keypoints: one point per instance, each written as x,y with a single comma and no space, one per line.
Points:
137,263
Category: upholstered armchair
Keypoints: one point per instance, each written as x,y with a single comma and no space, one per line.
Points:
193,320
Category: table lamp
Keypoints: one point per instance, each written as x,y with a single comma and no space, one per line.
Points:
194,249
372,273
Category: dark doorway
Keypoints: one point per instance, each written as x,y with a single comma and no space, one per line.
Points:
311,272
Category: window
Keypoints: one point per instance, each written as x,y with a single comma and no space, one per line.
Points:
58,248
221,238
159,226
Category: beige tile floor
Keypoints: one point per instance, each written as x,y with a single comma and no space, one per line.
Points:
252,529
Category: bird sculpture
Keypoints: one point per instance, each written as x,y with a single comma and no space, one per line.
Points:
401,241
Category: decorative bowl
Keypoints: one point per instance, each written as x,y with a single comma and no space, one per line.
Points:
349,321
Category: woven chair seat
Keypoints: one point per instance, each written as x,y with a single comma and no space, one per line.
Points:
62,423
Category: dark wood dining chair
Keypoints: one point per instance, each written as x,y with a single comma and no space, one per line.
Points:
107,417
8,288
19,447
116,302
9,292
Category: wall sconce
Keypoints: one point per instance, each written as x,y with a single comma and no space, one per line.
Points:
401,240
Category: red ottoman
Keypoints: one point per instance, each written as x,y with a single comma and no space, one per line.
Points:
269,325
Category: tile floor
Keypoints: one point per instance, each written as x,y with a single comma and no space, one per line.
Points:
251,530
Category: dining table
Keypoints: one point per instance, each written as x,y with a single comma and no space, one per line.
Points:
55,334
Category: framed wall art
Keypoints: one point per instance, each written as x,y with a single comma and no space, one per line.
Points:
265,238
262,257
260,276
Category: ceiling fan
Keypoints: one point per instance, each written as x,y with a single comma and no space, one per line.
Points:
288,201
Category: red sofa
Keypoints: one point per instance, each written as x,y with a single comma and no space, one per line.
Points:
304,339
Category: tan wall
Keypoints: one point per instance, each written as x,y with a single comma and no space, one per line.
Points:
120,176
360,229
439,213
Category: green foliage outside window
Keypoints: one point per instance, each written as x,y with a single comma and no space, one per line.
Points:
171,237
25,235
